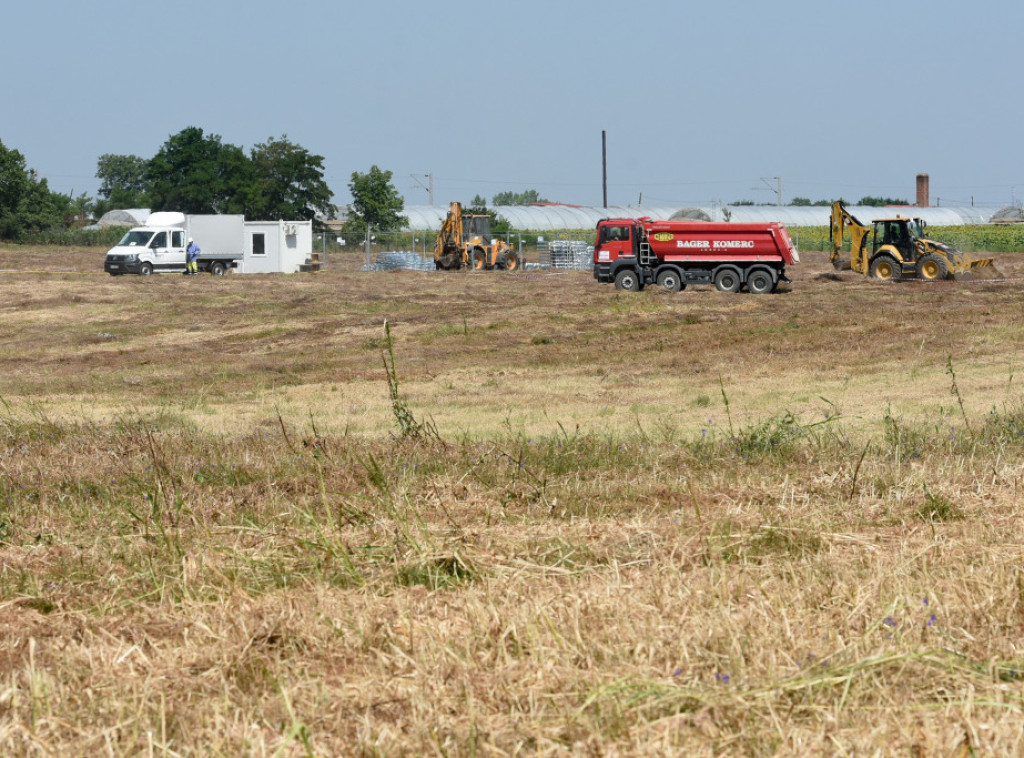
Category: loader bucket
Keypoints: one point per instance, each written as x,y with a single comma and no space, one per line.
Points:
964,267
976,268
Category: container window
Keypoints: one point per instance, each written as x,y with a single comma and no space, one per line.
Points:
177,239
259,246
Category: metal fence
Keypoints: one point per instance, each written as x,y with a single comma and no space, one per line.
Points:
565,249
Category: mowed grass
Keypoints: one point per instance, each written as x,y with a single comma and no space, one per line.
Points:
533,516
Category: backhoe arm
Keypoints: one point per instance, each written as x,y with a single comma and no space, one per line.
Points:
449,252
842,218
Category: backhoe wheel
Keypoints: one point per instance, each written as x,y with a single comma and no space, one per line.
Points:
670,280
884,268
932,266
627,280
509,261
479,260
727,280
760,282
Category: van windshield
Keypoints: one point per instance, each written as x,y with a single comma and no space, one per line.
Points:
135,238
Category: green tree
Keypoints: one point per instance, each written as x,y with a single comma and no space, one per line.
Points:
122,181
26,202
289,182
529,197
375,201
14,184
801,202
41,209
194,173
479,201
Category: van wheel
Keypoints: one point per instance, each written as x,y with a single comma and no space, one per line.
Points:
627,281
760,282
146,269
727,280
217,269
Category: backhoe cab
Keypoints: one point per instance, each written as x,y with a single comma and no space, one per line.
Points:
894,248
465,242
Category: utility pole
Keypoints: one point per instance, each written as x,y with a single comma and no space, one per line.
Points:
604,165
430,188
777,190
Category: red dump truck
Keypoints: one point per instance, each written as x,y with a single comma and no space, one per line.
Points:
632,253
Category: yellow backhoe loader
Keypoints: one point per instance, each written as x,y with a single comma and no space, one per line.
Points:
896,247
465,242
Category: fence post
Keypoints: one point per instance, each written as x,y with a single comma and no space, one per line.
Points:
368,244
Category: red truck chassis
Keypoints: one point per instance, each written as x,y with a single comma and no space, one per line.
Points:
632,253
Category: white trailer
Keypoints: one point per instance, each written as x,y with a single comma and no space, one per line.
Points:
226,242
276,246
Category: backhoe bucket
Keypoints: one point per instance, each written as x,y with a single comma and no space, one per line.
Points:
448,262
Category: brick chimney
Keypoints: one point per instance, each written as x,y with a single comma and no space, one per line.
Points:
922,191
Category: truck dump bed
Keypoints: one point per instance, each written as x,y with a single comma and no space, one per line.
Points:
686,242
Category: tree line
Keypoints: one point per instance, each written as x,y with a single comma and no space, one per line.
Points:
197,173
194,172
804,202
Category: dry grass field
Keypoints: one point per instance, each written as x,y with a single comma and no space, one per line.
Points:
571,521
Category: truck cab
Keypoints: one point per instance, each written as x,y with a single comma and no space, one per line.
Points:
615,239
146,250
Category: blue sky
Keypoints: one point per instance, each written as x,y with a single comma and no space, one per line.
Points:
701,101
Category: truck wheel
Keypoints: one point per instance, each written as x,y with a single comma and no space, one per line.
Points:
670,280
727,280
932,266
146,269
217,268
884,268
627,280
760,282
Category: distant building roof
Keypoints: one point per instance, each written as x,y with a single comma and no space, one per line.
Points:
125,217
